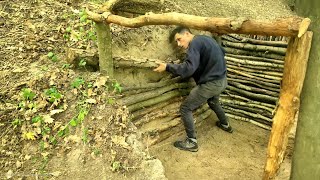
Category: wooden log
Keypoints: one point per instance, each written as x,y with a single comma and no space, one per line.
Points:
265,84
259,48
260,97
256,58
229,95
255,63
154,93
289,101
253,76
253,89
251,53
140,113
255,41
158,114
253,115
254,84
278,27
164,97
250,109
152,85
257,70
248,120
247,104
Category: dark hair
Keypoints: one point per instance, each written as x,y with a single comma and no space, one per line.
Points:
180,30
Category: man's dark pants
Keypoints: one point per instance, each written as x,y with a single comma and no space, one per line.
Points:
208,92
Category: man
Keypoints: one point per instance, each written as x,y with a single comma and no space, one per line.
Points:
205,63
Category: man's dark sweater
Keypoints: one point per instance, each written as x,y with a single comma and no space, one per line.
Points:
204,62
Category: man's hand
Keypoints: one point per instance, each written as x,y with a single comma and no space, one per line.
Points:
161,67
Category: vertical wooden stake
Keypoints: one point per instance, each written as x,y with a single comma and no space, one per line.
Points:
293,77
105,48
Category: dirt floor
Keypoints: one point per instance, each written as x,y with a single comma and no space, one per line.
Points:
240,155
101,147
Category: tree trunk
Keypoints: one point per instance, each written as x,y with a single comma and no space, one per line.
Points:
105,48
306,156
289,101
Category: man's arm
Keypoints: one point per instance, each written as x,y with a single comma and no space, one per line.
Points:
185,69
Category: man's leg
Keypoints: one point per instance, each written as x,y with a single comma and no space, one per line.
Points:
223,123
192,102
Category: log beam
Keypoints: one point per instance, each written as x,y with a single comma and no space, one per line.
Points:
279,27
293,77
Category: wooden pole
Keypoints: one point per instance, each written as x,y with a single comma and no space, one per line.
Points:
293,77
105,48
278,27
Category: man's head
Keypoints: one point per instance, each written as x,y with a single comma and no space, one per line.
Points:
182,36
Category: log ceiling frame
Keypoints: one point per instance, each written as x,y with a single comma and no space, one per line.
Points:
295,66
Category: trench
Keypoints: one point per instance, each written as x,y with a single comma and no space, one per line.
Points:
255,65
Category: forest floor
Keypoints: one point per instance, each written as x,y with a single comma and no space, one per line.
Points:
62,121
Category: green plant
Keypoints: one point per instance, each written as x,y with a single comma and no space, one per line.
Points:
53,94
66,66
116,165
37,119
85,135
52,56
82,63
27,94
16,122
77,82
117,87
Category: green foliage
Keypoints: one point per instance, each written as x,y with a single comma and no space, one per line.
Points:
27,94
52,56
82,114
53,94
82,63
45,130
85,135
66,66
116,166
117,87
77,82
73,122
37,119
16,122
22,105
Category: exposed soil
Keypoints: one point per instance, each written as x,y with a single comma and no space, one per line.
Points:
106,145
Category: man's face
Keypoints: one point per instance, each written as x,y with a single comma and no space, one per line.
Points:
183,39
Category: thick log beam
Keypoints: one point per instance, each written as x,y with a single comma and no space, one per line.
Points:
279,27
293,77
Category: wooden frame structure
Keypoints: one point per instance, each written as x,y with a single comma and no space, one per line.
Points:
294,69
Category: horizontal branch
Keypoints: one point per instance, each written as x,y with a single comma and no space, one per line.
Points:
251,47
256,63
261,59
252,53
278,27
242,39
248,120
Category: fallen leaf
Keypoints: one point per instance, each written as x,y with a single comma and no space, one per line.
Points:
101,81
120,140
89,92
56,174
56,111
91,101
27,157
29,136
48,119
